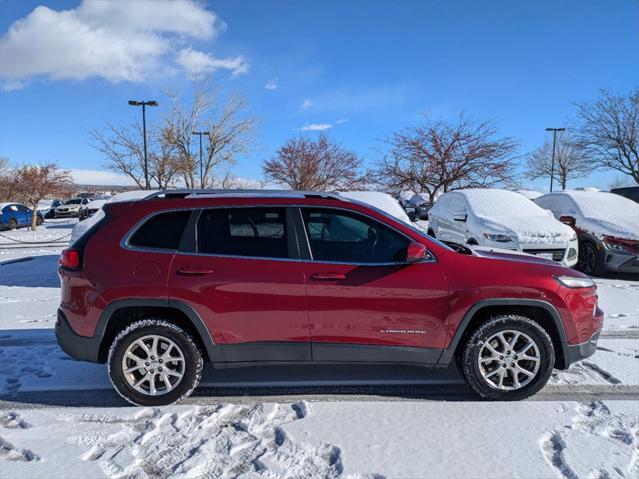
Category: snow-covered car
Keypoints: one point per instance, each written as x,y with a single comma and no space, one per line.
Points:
70,208
607,226
92,207
502,219
381,201
46,207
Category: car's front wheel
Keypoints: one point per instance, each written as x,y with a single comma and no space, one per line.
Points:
590,261
509,357
13,224
154,362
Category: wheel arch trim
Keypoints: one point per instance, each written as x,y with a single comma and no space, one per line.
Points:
449,352
213,351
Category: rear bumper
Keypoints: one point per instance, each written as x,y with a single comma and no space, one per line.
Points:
78,347
577,352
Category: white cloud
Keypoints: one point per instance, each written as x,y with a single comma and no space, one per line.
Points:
115,40
271,85
317,127
306,104
100,177
197,63
339,121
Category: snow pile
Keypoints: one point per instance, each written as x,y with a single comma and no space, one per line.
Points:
596,212
379,200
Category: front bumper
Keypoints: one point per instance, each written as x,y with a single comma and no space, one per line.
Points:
66,213
578,352
621,263
81,348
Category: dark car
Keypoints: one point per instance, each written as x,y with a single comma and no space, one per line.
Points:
15,215
157,286
630,192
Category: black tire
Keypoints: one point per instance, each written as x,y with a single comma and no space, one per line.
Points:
39,220
590,261
472,242
508,322
431,233
13,224
192,369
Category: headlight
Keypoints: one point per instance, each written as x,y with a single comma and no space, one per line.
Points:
573,282
498,238
573,237
622,248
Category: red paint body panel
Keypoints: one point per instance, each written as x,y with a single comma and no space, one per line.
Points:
403,305
244,299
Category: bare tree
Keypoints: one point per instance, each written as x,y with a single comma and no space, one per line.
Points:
439,156
32,183
608,129
571,161
228,128
314,165
123,146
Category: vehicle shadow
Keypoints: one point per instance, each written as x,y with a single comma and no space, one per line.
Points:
619,276
32,271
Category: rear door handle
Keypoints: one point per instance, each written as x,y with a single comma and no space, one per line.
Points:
328,276
194,271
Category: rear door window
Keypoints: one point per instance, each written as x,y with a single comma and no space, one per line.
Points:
256,232
161,231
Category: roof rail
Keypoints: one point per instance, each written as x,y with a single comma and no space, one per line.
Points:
246,193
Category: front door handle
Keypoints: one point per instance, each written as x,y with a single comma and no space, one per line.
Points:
328,276
194,271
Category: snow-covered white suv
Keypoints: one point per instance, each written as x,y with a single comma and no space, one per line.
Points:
502,219
607,225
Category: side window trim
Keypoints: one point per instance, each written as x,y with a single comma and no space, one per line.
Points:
309,256
125,242
292,244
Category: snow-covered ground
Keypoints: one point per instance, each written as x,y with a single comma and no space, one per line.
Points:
61,418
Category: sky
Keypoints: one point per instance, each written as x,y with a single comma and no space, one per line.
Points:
358,70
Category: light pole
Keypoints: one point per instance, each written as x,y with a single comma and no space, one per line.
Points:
554,142
144,104
200,133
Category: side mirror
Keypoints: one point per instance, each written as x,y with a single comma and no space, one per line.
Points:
568,220
416,252
460,217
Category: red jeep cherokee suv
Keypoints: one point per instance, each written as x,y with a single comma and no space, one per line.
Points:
159,284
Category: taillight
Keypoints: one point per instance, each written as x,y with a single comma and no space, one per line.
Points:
70,258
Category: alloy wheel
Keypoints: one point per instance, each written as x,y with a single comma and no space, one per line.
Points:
153,365
509,360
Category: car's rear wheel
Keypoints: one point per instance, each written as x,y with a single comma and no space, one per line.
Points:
509,357
154,362
590,261
39,220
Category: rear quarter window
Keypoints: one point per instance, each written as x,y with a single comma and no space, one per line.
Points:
161,231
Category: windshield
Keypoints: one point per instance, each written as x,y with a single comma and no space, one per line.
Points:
74,201
501,203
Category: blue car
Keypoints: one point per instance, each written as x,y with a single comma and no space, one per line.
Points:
15,215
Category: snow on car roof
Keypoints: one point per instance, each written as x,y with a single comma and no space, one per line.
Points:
596,204
496,202
381,201
530,194
2,205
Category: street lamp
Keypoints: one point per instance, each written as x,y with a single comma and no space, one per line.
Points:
144,104
554,142
200,133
